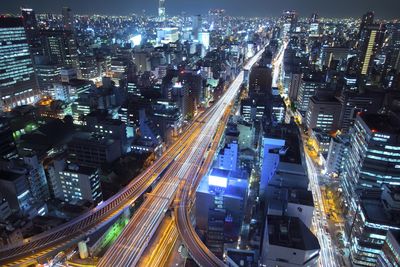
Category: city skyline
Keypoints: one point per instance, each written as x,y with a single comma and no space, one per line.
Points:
204,138
251,8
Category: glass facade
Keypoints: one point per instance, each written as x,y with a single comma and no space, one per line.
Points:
372,164
17,79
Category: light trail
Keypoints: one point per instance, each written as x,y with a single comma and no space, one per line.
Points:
327,255
130,245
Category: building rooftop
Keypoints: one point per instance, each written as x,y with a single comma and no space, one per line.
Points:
292,195
289,133
9,176
243,258
326,99
374,212
233,183
92,138
387,123
290,232
10,22
81,169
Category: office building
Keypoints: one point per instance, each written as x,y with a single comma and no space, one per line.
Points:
288,201
67,19
314,29
220,202
337,153
227,158
371,41
8,148
260,83
376,214
369,101
288,242
329,54
167,117
31,29
5,210
310,84
161,10
97,122
93,150
197,23
269,158
366,20
216,17
16,87
323,113
79,183
390,256
14,188
288,21
36,178
60,48
373,156
167,35
47,75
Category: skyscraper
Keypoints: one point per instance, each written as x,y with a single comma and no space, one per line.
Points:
289,21
17,78
60,47
373,156
366,20
31,30
371,41
161,10
196,26
67,19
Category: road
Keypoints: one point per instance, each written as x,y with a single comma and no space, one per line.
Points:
327,254
30,249
164,241
277,63
185,197
129,246
320,222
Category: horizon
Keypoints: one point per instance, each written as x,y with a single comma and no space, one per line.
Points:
235,8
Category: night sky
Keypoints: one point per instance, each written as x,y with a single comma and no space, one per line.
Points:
332,8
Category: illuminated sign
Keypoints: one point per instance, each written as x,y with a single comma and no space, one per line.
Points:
217,181
136,40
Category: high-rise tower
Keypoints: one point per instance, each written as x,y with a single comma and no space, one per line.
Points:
17,78
161,10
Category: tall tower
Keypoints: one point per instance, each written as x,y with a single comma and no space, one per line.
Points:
161,10
17,78
31,30
366,20
371,41
67,19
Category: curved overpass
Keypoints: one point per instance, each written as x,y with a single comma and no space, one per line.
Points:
197,249
129,246
80,226
104,212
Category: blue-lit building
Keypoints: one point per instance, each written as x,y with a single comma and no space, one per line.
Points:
18,84
220,203
373,158
269,158
370,183
376,214
390,255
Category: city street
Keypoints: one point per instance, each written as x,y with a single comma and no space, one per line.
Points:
328,253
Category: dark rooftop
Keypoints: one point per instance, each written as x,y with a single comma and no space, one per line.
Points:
387,123
10,22
290,134
290,232
9,176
